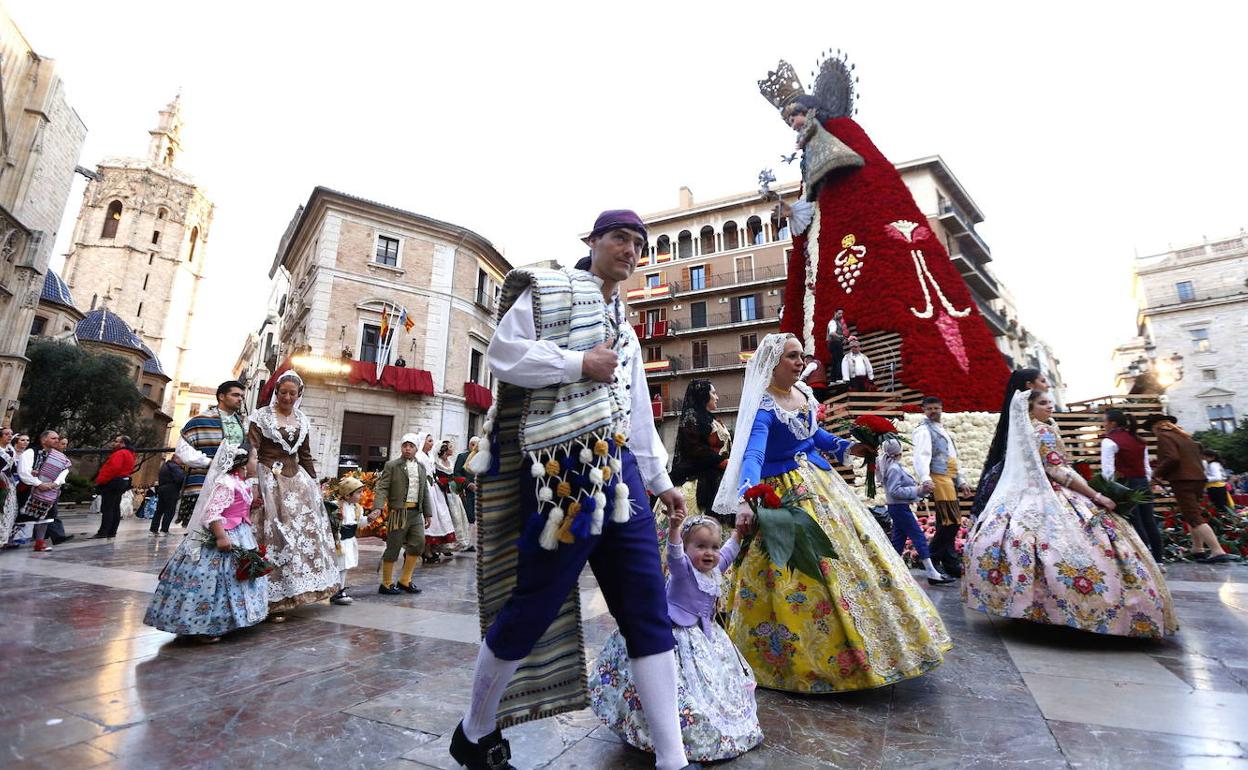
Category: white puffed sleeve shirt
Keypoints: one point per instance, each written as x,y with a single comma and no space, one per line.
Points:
518,357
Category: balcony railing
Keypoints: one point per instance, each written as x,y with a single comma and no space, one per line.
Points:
737,278
961,227
996,321
975,276
655,330
728,402
1173,298
691,364
715,321
485,300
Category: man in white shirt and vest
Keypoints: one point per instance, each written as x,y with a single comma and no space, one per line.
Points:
936,469
856,368
569,452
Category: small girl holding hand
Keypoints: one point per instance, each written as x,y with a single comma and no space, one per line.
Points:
900,491
350,490
715,686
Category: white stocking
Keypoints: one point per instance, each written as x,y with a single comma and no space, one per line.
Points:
489,680
655,676
932,572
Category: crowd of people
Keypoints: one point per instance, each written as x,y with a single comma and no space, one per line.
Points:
260,538
777,573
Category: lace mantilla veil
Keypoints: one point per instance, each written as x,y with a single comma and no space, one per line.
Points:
757,378
1024,492
209,497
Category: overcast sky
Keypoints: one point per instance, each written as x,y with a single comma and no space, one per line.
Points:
1087,132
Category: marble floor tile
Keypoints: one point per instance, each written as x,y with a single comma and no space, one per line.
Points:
1173,710
1092,747
382,683
906,750
1109,665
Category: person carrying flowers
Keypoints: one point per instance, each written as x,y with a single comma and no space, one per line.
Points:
216,581
820,601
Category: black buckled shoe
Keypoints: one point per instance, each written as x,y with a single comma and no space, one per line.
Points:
388,590
411,588
491,753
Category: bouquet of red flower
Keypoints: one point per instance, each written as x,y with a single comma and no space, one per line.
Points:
251,563
790,537
459,484
870,430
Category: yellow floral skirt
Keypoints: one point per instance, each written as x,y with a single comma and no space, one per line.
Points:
866,624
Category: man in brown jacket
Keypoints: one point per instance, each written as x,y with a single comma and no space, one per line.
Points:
403,486
1178,464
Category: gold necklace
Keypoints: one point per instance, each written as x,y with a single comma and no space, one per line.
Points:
777,391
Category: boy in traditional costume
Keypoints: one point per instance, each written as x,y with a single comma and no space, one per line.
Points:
563,473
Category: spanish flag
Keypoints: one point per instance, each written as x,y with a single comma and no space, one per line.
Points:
385,325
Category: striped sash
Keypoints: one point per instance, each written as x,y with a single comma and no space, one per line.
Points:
551,680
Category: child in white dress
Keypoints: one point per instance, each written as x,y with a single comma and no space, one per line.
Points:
350,490
715,686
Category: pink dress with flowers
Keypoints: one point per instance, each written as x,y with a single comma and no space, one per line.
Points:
1068,563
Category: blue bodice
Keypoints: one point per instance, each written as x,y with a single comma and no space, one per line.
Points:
779,437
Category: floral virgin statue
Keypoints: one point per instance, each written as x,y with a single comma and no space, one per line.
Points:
861,244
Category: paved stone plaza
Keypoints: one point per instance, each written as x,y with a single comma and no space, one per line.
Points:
381,684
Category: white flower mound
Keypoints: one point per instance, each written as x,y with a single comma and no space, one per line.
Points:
971,432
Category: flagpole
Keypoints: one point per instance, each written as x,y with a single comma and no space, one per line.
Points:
383,353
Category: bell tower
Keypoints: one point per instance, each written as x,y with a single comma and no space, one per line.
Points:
166,143
140,245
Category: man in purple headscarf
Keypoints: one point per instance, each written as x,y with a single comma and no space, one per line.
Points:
563,473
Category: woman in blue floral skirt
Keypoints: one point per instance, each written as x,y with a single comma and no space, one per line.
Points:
200,593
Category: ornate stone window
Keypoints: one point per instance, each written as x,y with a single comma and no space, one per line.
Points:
111,219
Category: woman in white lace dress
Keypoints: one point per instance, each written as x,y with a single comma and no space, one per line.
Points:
445,463
290,518
440,533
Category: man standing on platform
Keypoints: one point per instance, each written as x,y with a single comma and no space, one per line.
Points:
856,369
403,486
936,468
202,435
563,472
838,330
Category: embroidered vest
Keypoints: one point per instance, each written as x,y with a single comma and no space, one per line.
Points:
569,311
940,450
1129,462
53,463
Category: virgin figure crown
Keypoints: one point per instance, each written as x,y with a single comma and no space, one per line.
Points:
781,85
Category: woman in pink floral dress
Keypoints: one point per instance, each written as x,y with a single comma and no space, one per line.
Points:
1049,549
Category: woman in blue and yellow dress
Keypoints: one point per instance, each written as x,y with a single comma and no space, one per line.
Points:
867,623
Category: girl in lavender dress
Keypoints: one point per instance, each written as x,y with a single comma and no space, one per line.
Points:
715,686
199,593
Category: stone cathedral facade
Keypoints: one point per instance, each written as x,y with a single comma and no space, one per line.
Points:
140,245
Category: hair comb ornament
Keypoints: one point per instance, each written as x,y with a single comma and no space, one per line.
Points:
694,521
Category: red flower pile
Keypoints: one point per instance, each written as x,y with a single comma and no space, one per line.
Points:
943,352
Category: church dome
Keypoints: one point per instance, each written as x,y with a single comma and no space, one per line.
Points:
55,291
103,326
152,364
